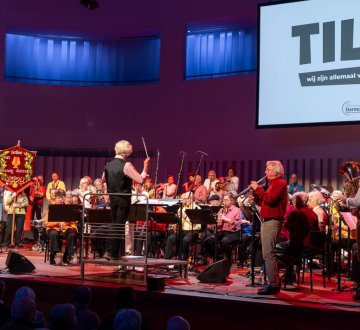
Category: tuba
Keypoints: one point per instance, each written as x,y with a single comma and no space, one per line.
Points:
350,170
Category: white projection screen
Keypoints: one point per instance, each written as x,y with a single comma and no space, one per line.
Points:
308,63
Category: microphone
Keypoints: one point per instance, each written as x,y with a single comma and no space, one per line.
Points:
202,152
183,153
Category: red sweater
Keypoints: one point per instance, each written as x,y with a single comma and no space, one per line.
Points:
273,201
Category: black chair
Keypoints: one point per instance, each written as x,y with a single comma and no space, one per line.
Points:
316,250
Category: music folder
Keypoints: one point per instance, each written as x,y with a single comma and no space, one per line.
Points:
64,212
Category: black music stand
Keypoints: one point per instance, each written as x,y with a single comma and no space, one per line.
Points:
205,216
137,212
64,212
98,216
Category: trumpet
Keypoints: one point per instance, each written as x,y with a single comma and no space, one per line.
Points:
246,192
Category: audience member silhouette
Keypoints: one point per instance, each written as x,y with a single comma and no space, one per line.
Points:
63,317
25,291
127,319
23,315
4,309
86,318
125,298
177,323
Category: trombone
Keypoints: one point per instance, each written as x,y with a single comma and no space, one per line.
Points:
246,192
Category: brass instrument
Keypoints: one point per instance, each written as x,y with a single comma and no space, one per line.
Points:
246,192
350,170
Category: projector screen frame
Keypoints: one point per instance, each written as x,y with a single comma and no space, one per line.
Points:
287,125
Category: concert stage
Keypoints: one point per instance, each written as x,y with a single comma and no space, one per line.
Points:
229,305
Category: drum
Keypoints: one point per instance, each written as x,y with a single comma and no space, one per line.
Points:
38,224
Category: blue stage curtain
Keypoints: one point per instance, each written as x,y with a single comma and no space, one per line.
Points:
212,54
75,61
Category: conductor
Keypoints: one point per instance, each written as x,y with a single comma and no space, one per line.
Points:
119,174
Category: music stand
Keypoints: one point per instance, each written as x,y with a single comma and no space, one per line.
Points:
99,216
64,212
137,212
205,216
167,217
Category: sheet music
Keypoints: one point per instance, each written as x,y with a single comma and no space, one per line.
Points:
350,220
160,202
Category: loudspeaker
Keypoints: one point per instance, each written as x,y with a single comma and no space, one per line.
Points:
216,272
17,263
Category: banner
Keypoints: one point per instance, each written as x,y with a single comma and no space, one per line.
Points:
16,168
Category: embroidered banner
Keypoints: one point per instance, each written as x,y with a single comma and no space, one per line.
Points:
16,168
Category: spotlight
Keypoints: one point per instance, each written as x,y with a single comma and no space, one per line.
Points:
91,4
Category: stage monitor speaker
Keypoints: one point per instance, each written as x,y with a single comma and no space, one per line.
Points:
17,263
216,272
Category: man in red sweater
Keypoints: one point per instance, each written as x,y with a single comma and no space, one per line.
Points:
273,203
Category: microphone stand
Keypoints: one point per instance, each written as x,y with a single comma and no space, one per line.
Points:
256,216
183,154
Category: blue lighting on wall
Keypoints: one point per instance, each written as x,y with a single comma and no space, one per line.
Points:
75,61
218,52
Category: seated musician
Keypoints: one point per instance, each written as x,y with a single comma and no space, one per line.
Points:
149,187
210,182
300,223
54,229
84,191
167,190
189,232
200,191
99,201
228,230
189,185
348,237
315,201
156,234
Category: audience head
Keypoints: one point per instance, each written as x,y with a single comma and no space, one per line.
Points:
24,308
83,295
63,317
300,199
127,319
177,323
125,297
123,148
25,291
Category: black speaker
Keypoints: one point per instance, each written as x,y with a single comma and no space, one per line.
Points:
216,272
17,263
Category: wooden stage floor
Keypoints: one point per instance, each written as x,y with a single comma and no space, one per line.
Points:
235,298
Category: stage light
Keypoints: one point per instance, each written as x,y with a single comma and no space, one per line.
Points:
91,4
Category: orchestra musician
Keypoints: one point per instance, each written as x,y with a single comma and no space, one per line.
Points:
199,190
37,194
189,185
56,183
99,200
168,189
119,174
232,181
54,229
316,199
15,204
189,232
149,187
228,228
273,203
210,182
